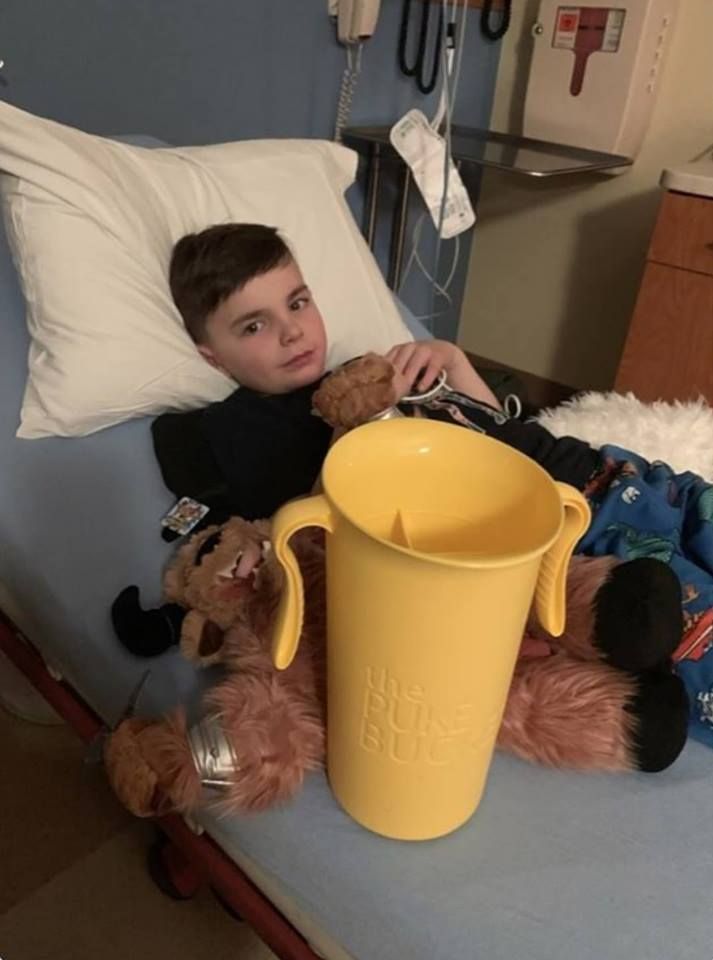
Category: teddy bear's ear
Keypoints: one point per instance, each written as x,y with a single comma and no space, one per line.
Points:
201,639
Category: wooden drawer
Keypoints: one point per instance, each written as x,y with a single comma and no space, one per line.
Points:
669,349
683,236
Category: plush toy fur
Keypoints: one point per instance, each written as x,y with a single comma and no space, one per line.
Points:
355,392
678,433
280,714
567,706
600,697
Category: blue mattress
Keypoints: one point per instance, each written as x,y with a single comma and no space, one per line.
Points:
554,866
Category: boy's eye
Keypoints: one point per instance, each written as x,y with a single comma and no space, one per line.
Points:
250,329
299,304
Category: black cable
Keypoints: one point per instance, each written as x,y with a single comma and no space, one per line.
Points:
417,68
495,33
421,83
403,42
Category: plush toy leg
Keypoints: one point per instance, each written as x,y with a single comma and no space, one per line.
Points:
275,724
590,716
166,750
151,767
132,767
275,735
626,613
639,615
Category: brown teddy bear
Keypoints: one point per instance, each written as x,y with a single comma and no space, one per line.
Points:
602,696
279,715
262,729
356,392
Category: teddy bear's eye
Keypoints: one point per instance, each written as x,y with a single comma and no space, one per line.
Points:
208,546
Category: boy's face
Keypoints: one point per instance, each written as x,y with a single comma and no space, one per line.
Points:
269,335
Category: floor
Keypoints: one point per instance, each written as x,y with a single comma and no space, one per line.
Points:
72,880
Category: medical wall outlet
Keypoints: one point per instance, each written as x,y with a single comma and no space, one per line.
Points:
595,72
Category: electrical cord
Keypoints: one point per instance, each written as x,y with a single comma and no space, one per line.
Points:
486,14
347,88
452,58
451,94
416,69
440,113
451,77
414,257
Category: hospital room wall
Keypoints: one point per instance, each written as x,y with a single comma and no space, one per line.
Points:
199,73
555,267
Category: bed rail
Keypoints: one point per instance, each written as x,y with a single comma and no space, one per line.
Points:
207,861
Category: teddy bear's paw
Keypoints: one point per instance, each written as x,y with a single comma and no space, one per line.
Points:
356,392
132,779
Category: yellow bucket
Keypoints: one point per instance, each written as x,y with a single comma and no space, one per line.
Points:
438,540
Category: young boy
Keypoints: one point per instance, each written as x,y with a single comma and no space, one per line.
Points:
246,305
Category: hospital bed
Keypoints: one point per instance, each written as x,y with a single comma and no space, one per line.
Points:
553,866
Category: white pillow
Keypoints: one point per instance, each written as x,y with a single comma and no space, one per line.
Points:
91,224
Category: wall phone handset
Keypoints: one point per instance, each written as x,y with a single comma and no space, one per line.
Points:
356,19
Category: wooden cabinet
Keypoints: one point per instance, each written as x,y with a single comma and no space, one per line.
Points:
669,349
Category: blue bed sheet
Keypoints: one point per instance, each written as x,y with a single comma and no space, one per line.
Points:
553,866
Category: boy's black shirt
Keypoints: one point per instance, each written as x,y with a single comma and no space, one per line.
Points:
247,454
250,453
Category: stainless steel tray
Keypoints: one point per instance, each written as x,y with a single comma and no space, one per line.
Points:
506,151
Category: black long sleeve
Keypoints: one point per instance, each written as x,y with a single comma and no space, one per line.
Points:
565,458
250,453
246,455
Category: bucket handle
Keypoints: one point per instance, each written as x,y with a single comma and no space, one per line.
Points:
310,512
550,595
551,591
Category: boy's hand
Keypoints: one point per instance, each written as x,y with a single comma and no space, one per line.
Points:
418,364
365,387
432,356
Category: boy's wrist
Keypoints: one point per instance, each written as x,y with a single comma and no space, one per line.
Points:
457,362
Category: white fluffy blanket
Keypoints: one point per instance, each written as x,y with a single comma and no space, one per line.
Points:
681,434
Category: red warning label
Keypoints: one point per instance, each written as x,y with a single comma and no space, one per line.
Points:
566,26
567,22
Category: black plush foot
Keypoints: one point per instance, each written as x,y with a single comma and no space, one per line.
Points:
145,633
661,708
638,615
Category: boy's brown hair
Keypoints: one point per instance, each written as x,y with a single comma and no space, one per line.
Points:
207,267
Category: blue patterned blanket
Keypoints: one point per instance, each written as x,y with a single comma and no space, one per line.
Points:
643,509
